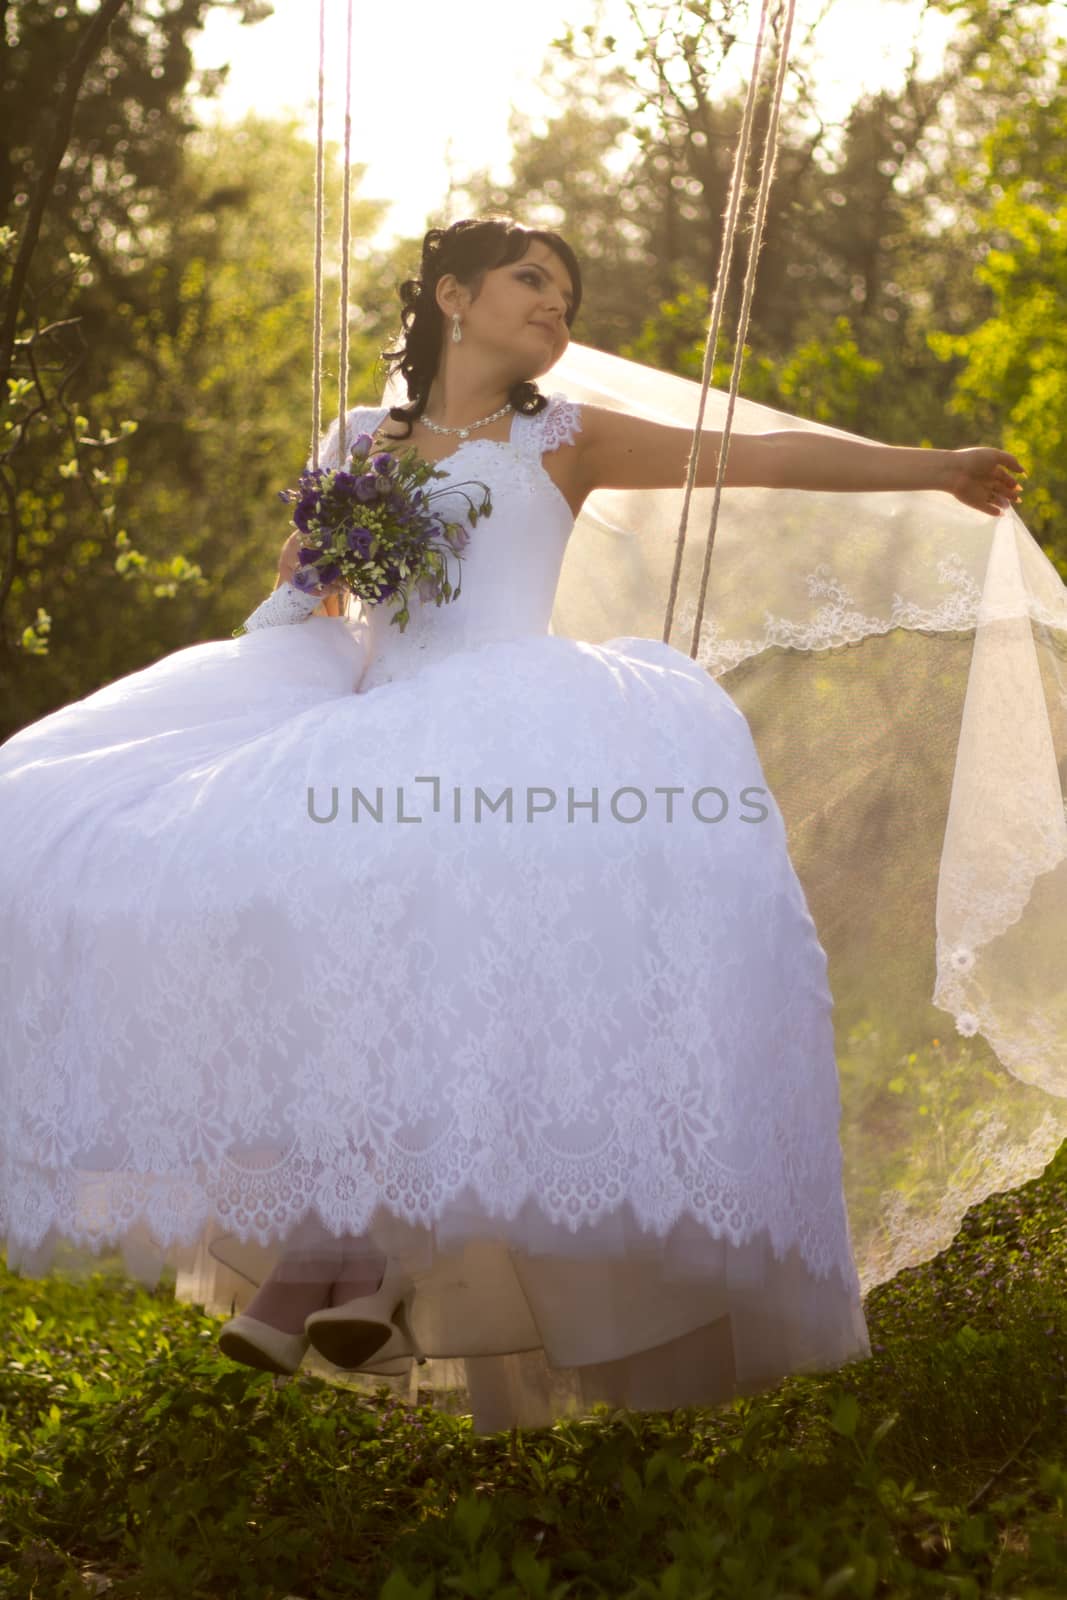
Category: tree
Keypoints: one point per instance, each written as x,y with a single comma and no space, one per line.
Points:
71,89
220,355
187,308
1011,368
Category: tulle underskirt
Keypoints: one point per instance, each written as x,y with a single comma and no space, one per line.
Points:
527,1322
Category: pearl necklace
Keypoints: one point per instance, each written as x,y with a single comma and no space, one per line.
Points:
465,433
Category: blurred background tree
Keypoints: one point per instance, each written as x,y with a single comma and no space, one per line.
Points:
159,392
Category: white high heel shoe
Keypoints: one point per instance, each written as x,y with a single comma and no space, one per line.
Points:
257,1344
349,1334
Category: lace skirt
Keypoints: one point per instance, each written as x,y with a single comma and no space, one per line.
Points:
579,1081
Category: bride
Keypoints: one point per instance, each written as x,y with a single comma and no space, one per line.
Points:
521,1063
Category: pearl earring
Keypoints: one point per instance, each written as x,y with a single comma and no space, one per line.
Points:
457,332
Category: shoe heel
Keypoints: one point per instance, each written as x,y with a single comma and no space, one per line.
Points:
353,1333
402,1321
345,1339
258,1344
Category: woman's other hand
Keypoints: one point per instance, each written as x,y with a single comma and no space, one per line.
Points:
288,563
984,479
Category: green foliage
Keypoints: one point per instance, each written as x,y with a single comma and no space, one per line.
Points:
120,155
1007,359
827,379
132,1453
219,357
147,512
1014,364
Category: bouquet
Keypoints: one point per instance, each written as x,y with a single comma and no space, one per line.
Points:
372,525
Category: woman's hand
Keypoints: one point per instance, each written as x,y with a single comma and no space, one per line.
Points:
287,565
983,479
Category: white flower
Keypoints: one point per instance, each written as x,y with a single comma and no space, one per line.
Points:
966,1023
962,958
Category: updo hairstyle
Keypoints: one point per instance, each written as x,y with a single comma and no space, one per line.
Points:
469,249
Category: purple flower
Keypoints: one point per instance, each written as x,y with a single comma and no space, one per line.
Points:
383,463
306,556
345,481
396,503
360,539
306,579
367,487
360,444
303,513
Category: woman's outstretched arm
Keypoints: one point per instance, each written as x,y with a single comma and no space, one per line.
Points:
621,451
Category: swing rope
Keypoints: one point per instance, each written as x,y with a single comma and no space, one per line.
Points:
342,383
316,365
320,231
725,260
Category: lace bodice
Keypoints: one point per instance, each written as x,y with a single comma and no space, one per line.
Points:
510,567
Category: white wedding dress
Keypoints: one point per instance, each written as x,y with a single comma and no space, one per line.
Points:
334,929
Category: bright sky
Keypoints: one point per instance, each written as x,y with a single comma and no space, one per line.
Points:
446,77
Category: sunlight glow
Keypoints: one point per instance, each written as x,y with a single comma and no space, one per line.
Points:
434,88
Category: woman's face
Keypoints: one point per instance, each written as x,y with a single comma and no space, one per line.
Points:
520,313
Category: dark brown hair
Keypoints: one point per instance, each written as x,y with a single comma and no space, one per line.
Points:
469,249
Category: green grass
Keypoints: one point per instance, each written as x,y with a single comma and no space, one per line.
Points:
136,1461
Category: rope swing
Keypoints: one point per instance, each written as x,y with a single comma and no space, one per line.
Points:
320,231
744,145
